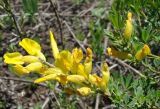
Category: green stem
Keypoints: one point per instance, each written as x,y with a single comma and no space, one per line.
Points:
154,56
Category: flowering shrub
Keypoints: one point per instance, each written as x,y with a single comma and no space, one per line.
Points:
67,67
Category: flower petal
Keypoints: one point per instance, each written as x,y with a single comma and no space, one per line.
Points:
142,53
81,71
88,62
34,66
54,45
77,55
64,61
76,79
32,47
128,30
13,58
52,71
62,79
46,78
129,16
30,59
84,91
105,75
19,69
95,80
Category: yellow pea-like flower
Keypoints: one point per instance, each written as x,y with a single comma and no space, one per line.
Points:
84,91
95,80
129,16
105,76
19,69
128,28
30,59
34,67
64,61
32,47
88,62
52,71
54,47
46,78
13,58
141,54
56,76
62,79
80,70
77,55
76,79
118,54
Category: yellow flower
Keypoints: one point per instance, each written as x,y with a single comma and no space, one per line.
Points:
34,67
77,55
13,58
30,59
52,71
95,80
143,52
19,69
105,76
55,76
17,58
62,79
88,62
64,61
84,91
46,78
118,54
32,47
80,71
76,79
129,16
128,28
54,45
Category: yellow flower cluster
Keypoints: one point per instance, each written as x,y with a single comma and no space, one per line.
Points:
142,53
67,67
139,55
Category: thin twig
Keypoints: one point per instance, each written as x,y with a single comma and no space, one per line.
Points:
45,103
106,38
97,101
46,63
109,107
130,67
84,12
81,104
16,24
74,36
9,10
59,21
115,65
23,80
56,99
